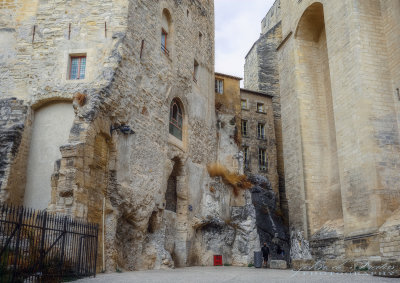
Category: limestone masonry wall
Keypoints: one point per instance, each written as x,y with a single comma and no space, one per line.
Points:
339,102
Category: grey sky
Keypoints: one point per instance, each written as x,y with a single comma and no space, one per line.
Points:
237,27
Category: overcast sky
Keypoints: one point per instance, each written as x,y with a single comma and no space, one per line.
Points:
237,27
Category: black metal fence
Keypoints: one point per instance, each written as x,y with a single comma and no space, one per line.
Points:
37,246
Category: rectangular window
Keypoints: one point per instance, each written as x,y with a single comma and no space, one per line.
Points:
244,128
219,86
246,156
261,131
77,68
244,103
262,159
260,108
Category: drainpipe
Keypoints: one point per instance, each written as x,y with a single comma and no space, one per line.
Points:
103,255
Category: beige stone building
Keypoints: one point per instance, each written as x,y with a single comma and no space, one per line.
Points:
107,113
335,66
258,136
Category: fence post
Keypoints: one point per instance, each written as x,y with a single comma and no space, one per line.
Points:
63,245
16,255
95,253
42,248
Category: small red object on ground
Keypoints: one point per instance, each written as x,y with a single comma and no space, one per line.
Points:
217,260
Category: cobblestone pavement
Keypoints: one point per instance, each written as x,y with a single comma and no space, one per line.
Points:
233,274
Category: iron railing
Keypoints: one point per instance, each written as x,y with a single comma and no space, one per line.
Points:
37,246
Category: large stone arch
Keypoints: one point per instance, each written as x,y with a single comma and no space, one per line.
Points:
317,122
51,127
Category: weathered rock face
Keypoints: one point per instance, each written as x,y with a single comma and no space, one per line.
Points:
270,224
223,230
14,143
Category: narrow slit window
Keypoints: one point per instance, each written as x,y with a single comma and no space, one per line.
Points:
262,159
246,156
77,68
261,131
195,71
244,128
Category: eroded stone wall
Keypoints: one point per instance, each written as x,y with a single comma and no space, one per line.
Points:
14,147
261,73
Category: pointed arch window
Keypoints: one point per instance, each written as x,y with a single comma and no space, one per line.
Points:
176,119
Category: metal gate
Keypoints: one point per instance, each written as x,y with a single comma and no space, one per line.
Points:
38,246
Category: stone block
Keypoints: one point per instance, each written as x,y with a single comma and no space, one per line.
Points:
384,268
303,264
278,264
339,265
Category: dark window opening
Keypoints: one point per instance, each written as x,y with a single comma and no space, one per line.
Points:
195,71
244,128
170,195
262,159
261,131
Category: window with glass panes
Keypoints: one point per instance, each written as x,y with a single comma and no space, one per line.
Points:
244,103
219,86
260,107
77,68
176,119
246,154
262,159
244,128
261,131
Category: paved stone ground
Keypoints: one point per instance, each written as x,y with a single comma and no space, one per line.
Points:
232,274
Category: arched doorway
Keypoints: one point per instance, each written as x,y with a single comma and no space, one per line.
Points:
50,130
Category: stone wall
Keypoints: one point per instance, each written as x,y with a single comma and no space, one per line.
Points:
261,73
228,114
272,18
254,143
114,168
340,125
358,173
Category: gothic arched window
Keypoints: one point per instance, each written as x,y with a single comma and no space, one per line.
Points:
176,119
